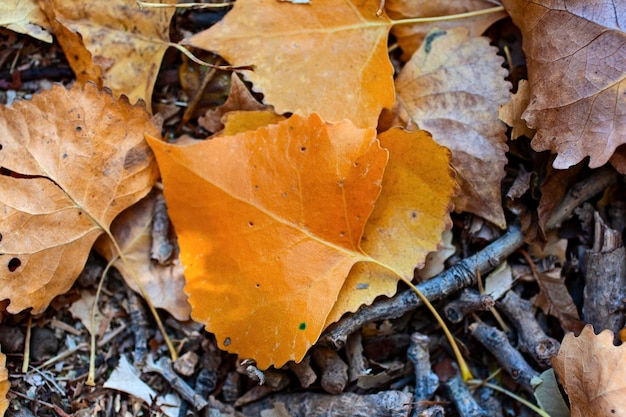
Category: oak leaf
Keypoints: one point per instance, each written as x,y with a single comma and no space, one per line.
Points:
452,87
335,50
112,43
25,16
163,284
267,247
576,58
410,36
590,369
72,160
407,223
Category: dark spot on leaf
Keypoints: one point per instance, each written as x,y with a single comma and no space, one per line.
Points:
250,223
342,234
78,128
413,215
64,155
356,164
302,326
136,156
303,148
14,263
256,186
431,37
227,341
257,285
284,194
0,237
0,147
340,183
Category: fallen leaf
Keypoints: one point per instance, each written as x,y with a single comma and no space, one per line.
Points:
410,36
434,263
452,87
163,284
267,248
511,112
334,50
554,299
618,160
82,308
73,160
113,42
239,98
242,121
589,367
576,58
5,385
407,222
25,16
126,378
548,394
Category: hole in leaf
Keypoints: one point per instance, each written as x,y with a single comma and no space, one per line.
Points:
342,234
356,164
303,148
0,237
0,146
14,263
78,128
227,341
257,285
250,223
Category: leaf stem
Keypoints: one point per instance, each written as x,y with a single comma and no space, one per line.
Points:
145,296
516,397
198,61
91,375
465,371
447,18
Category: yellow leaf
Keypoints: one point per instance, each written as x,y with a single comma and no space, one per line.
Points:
335,51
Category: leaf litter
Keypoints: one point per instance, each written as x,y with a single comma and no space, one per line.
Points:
401,242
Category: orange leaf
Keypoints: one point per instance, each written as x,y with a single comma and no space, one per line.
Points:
113,42
408,220
269,224
72,160
590,368
434,91
163,283
576,58
334,50
410,36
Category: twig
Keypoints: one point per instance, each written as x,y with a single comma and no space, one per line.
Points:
531,338
426,381
468,302
507,356
164,368
333,369
161,249
462,398
138,327
463,274
303,371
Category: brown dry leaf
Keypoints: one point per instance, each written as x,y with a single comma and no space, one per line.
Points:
410,215
590,369
511,112
112,43
452,87
239,98
576,58
410,36
73,160
554,299
25,16
618,160
163,284
5,385
335,51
